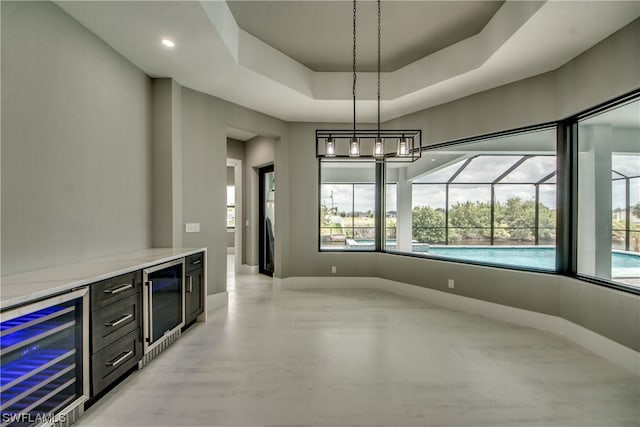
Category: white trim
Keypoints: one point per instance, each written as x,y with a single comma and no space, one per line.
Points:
248,269
598,344
216,301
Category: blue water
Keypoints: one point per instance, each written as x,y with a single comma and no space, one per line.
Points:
622,264
534,257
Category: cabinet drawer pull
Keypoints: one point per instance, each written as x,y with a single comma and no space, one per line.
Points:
117,290
196,262
118,360
120,320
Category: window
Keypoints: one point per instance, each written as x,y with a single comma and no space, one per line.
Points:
347,206
608,211
231,207
490,201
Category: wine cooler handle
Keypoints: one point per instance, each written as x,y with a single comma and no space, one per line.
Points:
150,313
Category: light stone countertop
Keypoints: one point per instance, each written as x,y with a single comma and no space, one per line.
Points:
18,289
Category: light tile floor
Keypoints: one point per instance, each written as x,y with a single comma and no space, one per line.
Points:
366,358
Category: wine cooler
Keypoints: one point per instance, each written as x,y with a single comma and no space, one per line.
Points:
44,364
163,307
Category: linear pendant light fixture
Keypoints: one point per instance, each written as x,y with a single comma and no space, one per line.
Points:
384,145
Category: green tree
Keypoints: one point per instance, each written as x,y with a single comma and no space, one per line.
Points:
428,224
514,220
518,217
470,220
547,224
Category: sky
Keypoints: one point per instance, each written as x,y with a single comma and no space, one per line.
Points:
481,169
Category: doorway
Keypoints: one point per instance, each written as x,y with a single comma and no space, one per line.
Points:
266,209
234,220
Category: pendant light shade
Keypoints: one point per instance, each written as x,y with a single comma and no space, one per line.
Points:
354,147
378,147
403,147
330,147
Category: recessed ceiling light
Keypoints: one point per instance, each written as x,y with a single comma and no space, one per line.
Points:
168,43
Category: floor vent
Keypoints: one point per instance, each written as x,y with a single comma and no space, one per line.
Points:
68,417
167,340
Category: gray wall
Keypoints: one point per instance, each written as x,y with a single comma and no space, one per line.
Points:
166,164
76,135
235,149
204,182
578,85
204,145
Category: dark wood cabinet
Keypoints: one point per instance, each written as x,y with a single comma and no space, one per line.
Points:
194,287
114,289
116,328
67,347
115,360
114,321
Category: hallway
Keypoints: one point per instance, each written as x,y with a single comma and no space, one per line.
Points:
366,358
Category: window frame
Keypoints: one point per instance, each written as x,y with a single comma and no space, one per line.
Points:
566,197
475,139
571,144
376,216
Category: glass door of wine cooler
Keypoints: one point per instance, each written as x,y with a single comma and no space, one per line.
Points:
163,302
43,360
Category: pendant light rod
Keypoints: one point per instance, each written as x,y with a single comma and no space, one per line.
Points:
379,38
354,68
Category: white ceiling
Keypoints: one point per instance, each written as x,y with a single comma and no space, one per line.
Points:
214,55
410,29
239,134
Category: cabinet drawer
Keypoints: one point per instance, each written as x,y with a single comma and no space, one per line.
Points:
193,262
114,321
111,290
115,360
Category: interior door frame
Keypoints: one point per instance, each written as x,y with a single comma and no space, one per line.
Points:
261,217
236,164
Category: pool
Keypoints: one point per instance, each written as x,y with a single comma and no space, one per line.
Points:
623,264
534,257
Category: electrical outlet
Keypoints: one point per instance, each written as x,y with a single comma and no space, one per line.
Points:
451,284
333,269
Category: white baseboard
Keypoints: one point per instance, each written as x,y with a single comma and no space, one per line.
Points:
596,343
248,269
216,301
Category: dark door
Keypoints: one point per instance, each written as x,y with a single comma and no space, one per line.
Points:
266,207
